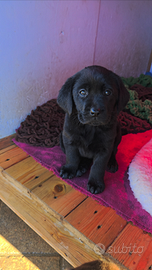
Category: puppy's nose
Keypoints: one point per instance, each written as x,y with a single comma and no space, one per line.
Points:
94,112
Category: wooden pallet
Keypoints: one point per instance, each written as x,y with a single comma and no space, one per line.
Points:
75,225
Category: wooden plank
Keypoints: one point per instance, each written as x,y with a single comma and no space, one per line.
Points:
11,157
33,180
59,195
146,260
7,141
99,223
51,226
130,246
45,185
67,203
28,172
7,149
53,187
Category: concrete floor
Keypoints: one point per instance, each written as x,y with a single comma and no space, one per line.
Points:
21,248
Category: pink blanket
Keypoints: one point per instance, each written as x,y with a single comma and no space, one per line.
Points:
117,194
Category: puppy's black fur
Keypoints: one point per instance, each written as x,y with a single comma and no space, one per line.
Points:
92,100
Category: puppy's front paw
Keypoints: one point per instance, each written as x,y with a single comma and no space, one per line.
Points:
67,172
83,166
95,188
81,171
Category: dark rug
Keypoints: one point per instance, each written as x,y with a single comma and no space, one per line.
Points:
43,126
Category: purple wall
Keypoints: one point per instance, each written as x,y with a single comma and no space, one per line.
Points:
44,42
124,39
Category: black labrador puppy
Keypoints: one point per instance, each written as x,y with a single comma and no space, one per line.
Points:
92,100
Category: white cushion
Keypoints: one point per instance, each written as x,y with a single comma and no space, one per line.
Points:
140,176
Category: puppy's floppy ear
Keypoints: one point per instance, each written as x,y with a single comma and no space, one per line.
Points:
65,99
123,94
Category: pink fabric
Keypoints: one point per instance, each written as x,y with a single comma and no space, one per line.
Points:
117,194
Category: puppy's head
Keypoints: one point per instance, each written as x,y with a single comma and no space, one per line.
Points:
96,93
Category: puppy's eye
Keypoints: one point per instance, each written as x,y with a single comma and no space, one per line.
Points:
83,93
107,92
